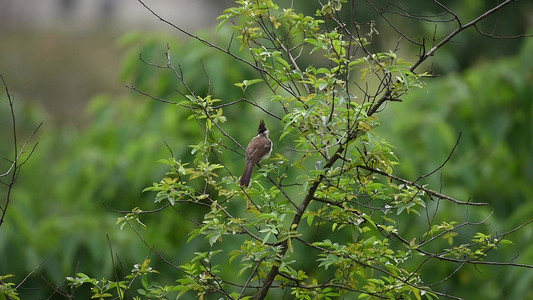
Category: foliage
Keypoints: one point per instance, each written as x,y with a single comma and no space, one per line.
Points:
325,217
59,214
8,289
489,108
69,193
470,47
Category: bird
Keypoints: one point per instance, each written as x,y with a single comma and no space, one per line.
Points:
259,148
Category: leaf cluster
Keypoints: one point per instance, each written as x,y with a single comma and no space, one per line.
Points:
325,217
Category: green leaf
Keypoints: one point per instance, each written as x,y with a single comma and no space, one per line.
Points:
284,63
221,24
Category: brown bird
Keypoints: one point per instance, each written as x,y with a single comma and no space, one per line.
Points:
258,149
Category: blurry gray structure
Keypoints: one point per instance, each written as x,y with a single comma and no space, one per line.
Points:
119,14
59,53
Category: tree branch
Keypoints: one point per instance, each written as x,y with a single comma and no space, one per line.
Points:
375,107
422,188
16,164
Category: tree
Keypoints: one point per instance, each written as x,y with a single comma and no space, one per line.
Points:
326,216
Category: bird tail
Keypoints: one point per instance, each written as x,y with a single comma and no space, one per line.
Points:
245,178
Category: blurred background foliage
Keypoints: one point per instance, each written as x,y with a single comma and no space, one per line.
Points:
89,164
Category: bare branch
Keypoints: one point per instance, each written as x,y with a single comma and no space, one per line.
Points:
443,163
501,37
422,188
16,164
29,274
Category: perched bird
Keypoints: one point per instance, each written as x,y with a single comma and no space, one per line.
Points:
258,149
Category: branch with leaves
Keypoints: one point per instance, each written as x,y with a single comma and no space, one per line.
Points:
326,217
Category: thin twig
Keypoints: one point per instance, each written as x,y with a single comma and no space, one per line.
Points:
422,188
29,274
443,163
375,107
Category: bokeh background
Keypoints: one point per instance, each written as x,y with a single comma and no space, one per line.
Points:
67,63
